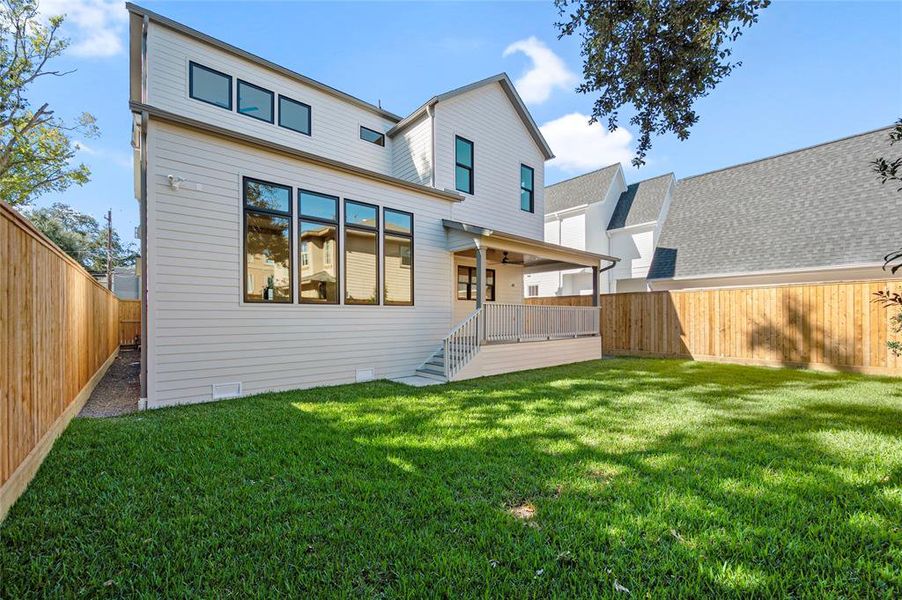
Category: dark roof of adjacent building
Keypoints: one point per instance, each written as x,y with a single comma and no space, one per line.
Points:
818,207
577,191
641,202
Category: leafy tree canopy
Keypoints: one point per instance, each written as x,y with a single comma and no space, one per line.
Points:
36,150
659,56
81,237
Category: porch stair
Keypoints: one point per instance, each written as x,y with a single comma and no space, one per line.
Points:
434,368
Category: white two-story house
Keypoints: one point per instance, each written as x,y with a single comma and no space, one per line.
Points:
295,236
600,213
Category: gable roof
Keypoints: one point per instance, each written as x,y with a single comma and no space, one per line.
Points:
641,202
582,189
817,207
511,92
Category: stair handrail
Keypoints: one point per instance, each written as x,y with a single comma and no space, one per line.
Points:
462,343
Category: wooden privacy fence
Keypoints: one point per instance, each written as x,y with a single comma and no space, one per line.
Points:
129,322
822,326
59,331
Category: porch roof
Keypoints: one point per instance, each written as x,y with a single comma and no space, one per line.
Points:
534,255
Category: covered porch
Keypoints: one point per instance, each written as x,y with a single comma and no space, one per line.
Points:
494,331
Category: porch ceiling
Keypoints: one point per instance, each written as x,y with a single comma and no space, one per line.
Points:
508,248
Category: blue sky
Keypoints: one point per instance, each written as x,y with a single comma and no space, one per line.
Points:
812,72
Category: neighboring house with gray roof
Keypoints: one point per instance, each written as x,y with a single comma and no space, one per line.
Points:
573,207
810,215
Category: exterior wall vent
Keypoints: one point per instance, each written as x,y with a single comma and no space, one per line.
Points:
226,390
365,375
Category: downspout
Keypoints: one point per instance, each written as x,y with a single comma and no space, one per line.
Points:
430,110
142,401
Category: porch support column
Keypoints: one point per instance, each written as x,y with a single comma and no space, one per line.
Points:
595,287
480,276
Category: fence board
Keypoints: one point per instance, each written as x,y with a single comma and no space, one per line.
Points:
821,326
129,322
58,333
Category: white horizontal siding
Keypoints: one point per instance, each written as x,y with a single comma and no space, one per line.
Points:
335,123
573,231
412,152
201,333
501,141
507,358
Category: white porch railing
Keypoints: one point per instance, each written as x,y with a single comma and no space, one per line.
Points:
511,323
525,322
462,343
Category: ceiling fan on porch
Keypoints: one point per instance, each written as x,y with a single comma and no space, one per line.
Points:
504,259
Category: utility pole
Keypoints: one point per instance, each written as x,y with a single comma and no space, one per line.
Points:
109,249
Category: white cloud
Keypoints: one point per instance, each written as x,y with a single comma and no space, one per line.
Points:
579,146
548,71
96,27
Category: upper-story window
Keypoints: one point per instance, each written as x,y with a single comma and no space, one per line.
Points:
527,189
255,101
370,135
294,115
208,85
463,165
267,242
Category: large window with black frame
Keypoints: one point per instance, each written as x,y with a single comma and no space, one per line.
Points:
267,242
318,243
361,251
397,257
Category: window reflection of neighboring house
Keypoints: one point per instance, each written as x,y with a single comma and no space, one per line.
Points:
318,275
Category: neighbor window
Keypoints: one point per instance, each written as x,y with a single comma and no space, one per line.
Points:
294,115
318,232
466,283
527,193
267,242
397,257
361,253
463,165
533,290
208,85
254,101
372,136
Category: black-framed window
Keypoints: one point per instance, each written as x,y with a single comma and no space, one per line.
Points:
527,189
255,101
318,248
361,252
294,115
372,136
267,241
463,165
209,85
467,286
397,257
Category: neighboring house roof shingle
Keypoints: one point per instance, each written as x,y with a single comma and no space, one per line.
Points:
641,202
813,208
583,189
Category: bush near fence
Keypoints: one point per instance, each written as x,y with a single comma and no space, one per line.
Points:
59,332
822,326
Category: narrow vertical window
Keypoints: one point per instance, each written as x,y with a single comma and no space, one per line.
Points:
318,233
397,257
527,189
463,165
267,242
361,253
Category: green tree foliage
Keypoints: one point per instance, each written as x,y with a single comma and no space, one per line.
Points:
36,150
890,169
659,56
81,237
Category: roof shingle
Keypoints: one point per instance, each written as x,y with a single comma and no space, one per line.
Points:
641,202
583,189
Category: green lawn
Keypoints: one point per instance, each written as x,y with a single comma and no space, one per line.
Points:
663,477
